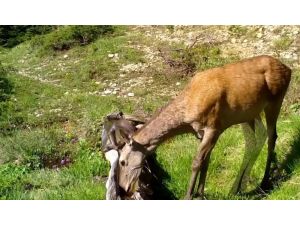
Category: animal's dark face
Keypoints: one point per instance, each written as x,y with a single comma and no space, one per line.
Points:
131,164
115,116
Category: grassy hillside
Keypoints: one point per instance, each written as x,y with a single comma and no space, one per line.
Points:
53,99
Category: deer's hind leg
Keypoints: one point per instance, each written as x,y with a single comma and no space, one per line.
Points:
272,112
209,140
255,136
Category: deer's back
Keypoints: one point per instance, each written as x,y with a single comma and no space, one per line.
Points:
242,88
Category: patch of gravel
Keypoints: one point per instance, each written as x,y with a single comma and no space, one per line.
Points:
256,40
139,67
39,78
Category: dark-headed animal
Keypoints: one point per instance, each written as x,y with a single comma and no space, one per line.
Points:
117,128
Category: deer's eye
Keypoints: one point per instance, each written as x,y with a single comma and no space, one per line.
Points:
122,163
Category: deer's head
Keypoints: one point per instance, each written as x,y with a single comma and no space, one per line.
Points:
131,163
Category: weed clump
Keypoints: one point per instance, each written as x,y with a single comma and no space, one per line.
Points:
238,31
196,57
282,43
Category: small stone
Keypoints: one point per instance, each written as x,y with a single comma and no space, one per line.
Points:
259,35
111,55
66,56
62,162
116,57
122,75
17,162
295,56
107,92
295,32
97,82
233,40
66,93
245,41
178,83
130,94
114,92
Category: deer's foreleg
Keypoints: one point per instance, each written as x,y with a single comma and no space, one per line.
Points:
203,173
209,140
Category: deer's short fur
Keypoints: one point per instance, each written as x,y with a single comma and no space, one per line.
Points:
213,101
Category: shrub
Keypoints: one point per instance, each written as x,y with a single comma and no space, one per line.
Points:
86,34
6,90
197,57
66,37
5,85
11,36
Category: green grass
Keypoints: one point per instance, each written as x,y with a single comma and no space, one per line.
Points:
51,109
79,181
176,157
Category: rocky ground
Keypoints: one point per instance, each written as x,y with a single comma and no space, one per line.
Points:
242,41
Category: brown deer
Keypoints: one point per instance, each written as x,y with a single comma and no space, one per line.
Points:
213,101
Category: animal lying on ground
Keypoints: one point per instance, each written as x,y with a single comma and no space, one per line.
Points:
213,101
116,129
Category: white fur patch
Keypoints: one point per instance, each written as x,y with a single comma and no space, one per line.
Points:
112,156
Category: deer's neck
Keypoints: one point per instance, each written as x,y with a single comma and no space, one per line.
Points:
161,124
